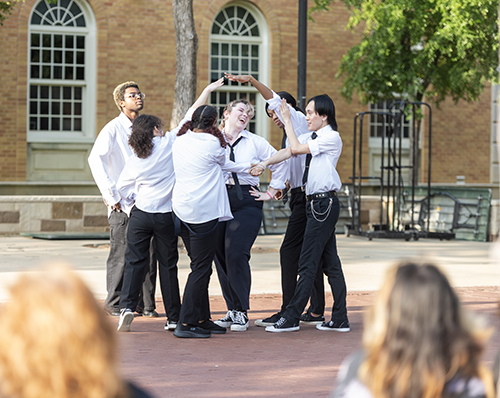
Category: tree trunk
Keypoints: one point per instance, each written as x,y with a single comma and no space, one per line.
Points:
186,43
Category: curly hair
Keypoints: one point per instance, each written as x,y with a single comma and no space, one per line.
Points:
417,337
119,92
203,119
229,107
63,345
141,139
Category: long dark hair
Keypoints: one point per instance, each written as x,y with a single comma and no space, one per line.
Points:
141,139
204,118
323,105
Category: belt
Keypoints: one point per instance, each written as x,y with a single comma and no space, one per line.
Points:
321,195
231,186
297,190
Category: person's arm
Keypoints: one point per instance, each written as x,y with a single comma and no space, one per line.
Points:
280,156
202,99
126,186
262,88
296,147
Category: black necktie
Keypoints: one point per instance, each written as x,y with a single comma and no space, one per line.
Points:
283,145
308,162
239,192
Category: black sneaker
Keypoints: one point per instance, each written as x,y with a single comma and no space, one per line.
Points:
283,325
191,332
150,314
212,326
336,326
227,321
126,318
268,321
310,319
240,321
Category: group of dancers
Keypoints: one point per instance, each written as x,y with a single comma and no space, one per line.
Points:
200,181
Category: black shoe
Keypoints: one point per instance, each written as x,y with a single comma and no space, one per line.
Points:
268,321
190,331
150,314
336,326
112,311
307,317
212,327
283,325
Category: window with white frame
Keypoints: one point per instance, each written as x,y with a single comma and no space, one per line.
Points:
380,122
61,88
239,45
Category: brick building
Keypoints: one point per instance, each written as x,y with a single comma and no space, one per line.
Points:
60,65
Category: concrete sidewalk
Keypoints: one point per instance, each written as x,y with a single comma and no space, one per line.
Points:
256,363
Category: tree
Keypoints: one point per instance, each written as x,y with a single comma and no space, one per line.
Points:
186,42
436,48
6,9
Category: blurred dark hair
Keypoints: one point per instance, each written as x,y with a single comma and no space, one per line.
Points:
204,118
323,105
141,139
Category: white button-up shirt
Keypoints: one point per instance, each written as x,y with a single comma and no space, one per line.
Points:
200,192
325,151
254,149
296,163
108,156
149,182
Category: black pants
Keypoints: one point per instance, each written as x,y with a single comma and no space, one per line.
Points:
199,240
319,244
290,254
115,266
234,242
143,226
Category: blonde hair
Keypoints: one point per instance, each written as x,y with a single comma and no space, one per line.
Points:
229,107
417,337
119,92
56,341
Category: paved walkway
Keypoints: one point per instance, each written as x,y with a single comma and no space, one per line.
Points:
256,363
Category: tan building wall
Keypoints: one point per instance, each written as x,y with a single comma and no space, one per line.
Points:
136,41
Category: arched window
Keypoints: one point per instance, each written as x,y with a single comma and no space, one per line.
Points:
239,44
61,72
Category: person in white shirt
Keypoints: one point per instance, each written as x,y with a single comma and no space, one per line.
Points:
199,202
294,234
106,161
146,183
322,182
236,236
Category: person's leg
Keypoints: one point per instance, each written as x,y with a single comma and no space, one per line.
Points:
221,265
167,255
115,265
318,233
147,298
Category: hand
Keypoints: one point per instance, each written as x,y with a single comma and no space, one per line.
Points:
285,111
256,169
238,78
259,196
117,206
215,85
278,195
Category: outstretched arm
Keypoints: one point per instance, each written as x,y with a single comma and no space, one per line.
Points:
296,147
202,99
263,89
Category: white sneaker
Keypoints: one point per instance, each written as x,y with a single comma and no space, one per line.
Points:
227,320
126,318
240,322
170,325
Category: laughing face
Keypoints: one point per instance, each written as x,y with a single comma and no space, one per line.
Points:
238,117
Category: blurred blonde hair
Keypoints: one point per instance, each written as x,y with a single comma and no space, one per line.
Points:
119,92
229,107
417,337
56,341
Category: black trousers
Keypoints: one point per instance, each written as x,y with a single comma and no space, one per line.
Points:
319,245
290,254
199,240
115,265
142,226
234,242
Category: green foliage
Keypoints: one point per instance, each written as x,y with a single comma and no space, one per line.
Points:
439,48
6,9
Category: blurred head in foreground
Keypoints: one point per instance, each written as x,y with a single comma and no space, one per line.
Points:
417,337
56,341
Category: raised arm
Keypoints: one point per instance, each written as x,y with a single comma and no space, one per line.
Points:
262,88
296,147
202,99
